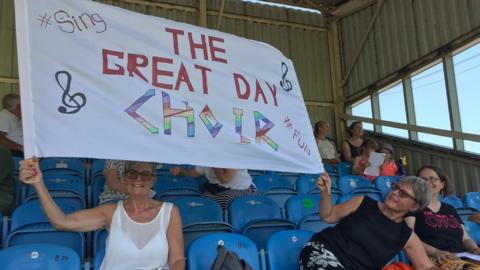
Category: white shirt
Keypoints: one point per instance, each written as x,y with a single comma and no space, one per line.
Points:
241,180
12,126
326,149
137,246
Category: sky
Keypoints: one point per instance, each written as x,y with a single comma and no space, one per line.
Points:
430,101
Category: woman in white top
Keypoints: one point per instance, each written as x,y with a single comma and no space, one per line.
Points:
143,233
326,147
224,185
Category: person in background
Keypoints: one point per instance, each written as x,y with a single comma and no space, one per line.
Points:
224,185
115,187
389,166
351,146
143,233
11,133
361,162
7,185
439,227
326,147
368,234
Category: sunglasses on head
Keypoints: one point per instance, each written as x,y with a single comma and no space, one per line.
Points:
133,174
401,192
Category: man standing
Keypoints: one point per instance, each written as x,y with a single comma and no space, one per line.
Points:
11,133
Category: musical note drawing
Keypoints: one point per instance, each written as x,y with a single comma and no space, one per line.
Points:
75,101
284,83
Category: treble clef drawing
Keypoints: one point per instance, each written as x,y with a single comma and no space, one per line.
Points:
75,101
284,83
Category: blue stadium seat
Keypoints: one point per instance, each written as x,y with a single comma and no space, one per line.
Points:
313,223
465,212
202,252
66,186
39,256
98,258
99,240
306,184
472,199
277,187
200,216
97,168
97,185
453,201
63,166
169,187
30,225
383,183
329,168
473,230
283,249
301,206
348,183
269,182
344,168
257,217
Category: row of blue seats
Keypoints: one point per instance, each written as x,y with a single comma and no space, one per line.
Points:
281,253
255,216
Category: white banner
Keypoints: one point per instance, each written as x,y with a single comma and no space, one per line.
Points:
103,82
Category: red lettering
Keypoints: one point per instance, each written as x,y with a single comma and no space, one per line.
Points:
133,65
442,221
214,49
204,77
274,93
259,91
241,95
156,71
111,71
183,77
202,46
175,33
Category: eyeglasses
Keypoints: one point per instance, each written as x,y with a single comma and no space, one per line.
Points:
431,178
403,193
133,174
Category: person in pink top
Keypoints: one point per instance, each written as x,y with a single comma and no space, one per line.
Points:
389,167
361,162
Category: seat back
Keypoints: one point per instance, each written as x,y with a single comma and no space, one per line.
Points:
344,168
169,182
302,205
453,201
473,230
472,199
269,182
39,256
98,259
348,183
384,183
32,213
249,208
283,249
62,166
377,196
198,209
202,252
306,184
313,223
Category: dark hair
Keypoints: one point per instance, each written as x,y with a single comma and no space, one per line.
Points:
318,125
447,189
352,126
369,143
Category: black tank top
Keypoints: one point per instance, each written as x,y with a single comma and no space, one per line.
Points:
365,239
354,150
